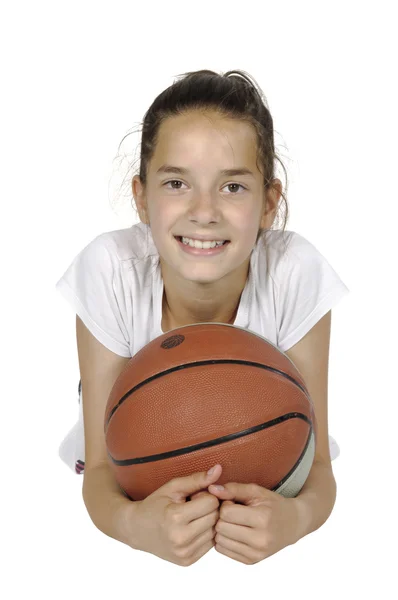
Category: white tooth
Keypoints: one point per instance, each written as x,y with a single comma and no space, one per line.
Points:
199,244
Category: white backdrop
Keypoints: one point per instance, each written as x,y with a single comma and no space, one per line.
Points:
77,76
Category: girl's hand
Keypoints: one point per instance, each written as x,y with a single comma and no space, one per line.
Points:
263,525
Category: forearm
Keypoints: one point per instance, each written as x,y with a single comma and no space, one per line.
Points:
108,507
316,499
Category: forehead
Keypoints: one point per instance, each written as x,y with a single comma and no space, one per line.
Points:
199,133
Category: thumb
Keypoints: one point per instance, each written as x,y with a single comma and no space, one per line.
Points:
181,487
249,494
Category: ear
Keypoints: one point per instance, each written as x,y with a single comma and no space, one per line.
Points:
140,199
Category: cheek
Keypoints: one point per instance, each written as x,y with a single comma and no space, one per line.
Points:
246,218
165,215
248,231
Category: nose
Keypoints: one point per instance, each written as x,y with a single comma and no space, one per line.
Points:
204,209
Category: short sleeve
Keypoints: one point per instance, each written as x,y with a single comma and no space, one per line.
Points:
309,288
88,285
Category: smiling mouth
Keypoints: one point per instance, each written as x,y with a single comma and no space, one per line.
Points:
179,238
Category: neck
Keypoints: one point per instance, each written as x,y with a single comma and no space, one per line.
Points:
186,302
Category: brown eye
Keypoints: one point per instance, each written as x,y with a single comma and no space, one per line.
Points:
238,184
173,181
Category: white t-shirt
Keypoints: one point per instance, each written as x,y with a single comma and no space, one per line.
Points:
115,286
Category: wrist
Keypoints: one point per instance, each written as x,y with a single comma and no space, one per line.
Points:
125,522
303,520
315,501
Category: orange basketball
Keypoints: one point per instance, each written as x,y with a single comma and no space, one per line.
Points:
204,394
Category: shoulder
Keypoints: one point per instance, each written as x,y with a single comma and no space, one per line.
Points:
287,250
126,244
281,251
286,244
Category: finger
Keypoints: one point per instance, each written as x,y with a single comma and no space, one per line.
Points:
237,533
237,551
198,495
236,514
222,494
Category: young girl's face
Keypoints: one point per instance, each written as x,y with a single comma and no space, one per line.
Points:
202,201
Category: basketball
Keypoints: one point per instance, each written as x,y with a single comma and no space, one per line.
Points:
210,393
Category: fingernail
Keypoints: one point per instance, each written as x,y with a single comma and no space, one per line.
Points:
211,471
219,487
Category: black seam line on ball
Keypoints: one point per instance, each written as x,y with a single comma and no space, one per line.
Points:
284,479
200,364
208,443
300,459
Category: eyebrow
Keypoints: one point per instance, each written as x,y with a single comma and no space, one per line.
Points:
183,171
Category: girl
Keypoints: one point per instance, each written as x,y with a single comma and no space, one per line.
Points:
205,250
